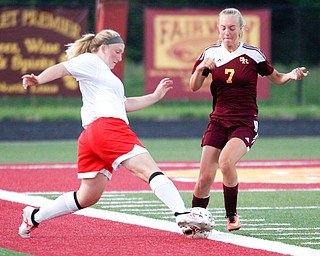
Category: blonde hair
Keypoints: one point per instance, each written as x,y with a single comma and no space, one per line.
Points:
89,43
234,12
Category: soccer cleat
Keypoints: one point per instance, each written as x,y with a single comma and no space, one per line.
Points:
27,224
197,223
233,222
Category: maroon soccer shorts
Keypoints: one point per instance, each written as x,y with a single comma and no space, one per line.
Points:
219,132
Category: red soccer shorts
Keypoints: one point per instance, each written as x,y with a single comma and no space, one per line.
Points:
104,145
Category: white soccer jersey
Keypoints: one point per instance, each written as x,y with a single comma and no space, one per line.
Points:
102,91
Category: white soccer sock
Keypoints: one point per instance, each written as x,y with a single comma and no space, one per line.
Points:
166,191
63,205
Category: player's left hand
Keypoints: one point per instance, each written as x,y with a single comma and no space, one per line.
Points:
163,87
298,73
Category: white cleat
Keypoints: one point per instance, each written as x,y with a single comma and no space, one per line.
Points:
27,225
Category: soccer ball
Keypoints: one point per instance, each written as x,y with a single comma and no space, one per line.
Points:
196,224
204,217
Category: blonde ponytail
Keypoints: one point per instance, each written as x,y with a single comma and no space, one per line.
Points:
89,43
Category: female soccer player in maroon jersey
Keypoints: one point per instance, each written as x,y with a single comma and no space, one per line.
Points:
233,126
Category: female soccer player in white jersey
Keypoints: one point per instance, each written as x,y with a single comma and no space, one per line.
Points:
107,140
233,127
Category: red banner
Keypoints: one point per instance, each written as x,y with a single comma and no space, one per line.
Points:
113,15
33,39
175,38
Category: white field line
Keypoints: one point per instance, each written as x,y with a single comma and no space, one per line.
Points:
37,166
249,242
290,234
299,238
192,164
279,229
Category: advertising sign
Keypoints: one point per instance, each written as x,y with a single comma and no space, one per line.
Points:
32,39
114,15
174,39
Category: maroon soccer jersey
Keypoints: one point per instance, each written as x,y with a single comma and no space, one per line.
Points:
234,80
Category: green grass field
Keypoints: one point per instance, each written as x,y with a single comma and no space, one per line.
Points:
259,212
161,150
4,252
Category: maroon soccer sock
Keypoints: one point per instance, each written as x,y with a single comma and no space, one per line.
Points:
230,198
200,202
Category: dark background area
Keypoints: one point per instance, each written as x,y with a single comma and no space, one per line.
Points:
57,130
295,23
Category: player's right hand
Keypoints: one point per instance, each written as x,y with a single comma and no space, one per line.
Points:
207,63
29,80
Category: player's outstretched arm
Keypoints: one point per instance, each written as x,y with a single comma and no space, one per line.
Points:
52,73
141,102
282,78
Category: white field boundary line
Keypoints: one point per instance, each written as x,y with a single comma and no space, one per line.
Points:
249,242
177,164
